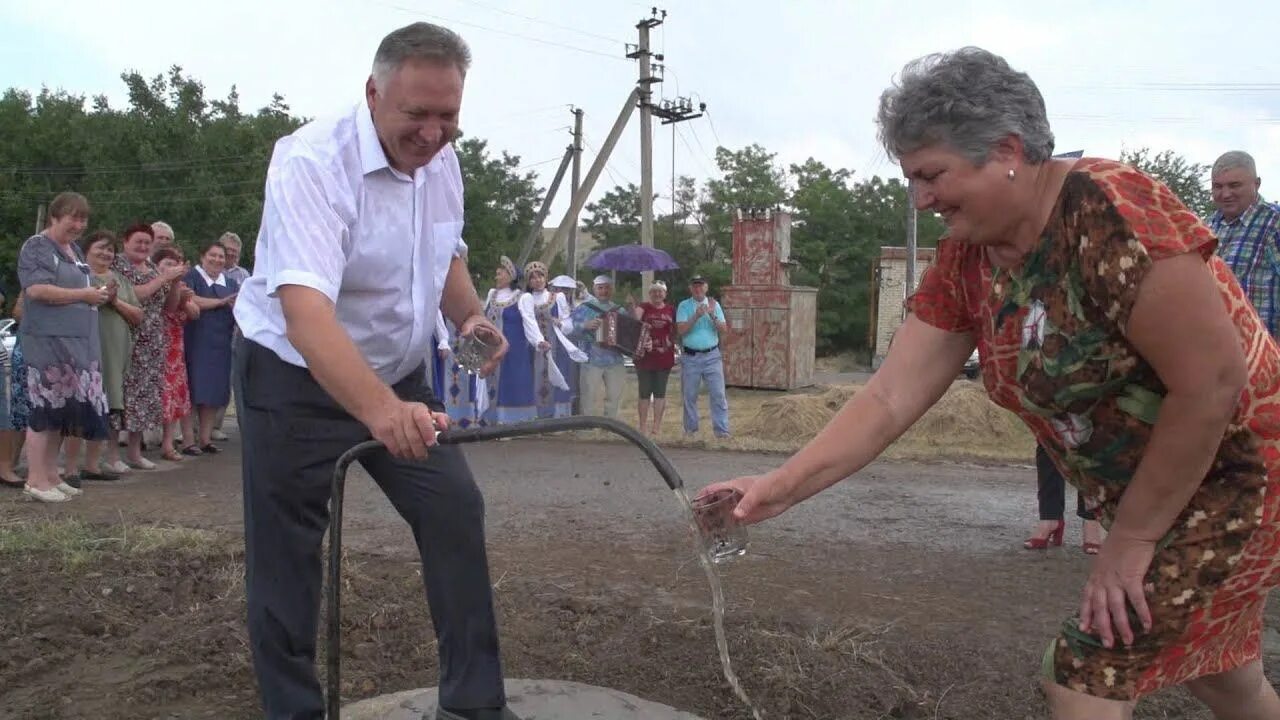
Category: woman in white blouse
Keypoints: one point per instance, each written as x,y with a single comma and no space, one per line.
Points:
552,356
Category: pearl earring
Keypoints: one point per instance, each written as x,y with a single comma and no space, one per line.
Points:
1011,174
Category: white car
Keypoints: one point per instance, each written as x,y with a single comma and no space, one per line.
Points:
7,335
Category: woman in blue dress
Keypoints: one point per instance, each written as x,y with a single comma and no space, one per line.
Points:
510,388
207,340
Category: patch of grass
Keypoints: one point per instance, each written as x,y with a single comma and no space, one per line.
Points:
76,543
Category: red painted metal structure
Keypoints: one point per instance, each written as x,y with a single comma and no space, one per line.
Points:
772,324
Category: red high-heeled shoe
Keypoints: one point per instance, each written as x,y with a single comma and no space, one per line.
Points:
1054,538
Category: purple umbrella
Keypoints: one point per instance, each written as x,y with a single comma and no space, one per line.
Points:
631,258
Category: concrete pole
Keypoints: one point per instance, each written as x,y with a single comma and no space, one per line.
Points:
646,148
574,183
589,182
911,242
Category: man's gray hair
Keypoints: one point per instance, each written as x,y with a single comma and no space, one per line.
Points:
1235,159
419,41
162,225
230,238
967,99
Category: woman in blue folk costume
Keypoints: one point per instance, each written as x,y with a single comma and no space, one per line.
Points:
454,384
550,388
510,388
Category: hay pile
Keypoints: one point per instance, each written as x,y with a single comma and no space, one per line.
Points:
795,419
964,423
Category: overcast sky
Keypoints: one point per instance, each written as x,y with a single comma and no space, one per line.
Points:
801,78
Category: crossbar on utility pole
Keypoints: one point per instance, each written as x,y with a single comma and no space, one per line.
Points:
589,182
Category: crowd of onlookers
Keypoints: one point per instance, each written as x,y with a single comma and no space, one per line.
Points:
560,361
124,347
123,342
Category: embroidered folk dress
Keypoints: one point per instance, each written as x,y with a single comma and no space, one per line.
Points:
1052,348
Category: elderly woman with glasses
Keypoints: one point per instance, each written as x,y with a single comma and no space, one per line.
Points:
1105,321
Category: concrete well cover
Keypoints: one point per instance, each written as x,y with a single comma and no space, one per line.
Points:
530,699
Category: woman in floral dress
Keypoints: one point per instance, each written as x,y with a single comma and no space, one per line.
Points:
144,379
179,309
60,342
1103,319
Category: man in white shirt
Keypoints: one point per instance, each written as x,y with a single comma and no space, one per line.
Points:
360,244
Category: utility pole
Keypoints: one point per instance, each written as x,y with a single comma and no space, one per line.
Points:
589,182
39,219
576,180
670,111
645,86
911,242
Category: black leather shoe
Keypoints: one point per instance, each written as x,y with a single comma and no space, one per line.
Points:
502,713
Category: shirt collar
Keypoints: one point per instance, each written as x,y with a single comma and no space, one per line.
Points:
372,156
222,277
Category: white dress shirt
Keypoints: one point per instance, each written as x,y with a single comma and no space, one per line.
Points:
378,243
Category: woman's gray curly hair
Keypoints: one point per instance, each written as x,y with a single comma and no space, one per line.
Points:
967,99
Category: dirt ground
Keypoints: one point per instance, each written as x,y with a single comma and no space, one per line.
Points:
901,593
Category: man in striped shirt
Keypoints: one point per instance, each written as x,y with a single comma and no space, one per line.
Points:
1248,230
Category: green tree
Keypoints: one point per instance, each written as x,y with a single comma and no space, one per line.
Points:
1188,180
499,205
748,178
615,218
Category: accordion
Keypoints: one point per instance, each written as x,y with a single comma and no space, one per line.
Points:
622,332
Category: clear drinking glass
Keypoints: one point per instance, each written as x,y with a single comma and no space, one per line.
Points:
722,534
476,349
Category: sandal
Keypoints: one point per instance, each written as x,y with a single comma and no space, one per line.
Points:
172,456
192,451
210,449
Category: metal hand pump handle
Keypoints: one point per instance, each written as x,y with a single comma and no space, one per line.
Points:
333,654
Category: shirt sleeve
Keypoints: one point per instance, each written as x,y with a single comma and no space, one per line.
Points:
1119,223
720,311
941,299
306,234
532,332
37,264
684,311
442,332
566,318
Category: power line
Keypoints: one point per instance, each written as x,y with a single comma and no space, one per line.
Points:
109,193
508,33
540,163
168,201
144,167
543,22
712,121
703,163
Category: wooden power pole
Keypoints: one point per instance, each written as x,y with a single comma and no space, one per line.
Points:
645,86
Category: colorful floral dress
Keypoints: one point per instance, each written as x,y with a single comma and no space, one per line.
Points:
176,396
1052,349
144,378
60,344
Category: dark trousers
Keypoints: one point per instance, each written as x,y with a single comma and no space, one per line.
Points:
1051,490
293,432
